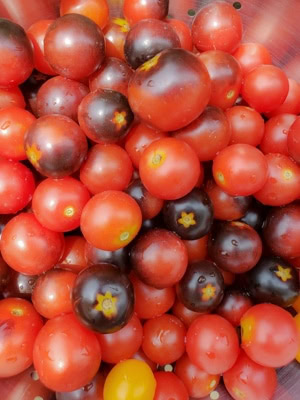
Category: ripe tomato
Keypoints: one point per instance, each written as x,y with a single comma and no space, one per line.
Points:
74,253
10,97
251,55
111,220
19,326
297,320
66,355
96,10
269,335
136,10
184,314
293,140
169,386
183,32
169,168
291,104
130,380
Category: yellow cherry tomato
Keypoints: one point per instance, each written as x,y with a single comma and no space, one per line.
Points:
296,305
130,380
297,320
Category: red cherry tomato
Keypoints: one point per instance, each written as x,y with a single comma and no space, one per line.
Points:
291,104
184,314
293,140
10,97
183,32
19,326
233,307
212,344
169,386
74,252
136,10
197,249
251,55
269,335
66,355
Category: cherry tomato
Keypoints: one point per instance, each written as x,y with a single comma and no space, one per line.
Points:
28,247
130,380
297,320
14,122
291,104
96,10
183,32
198,382
19,285
16,186
251,55
240,169
10,97
115,35
247,379
123,344
111,220
169,168
92,391
169,386
136,10
212,344
293,140
197,249
74,252
265,88
269,335
66,355
164,339
19,325
233,306
184,314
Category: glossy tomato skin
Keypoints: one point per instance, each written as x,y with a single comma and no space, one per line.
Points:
208,134
16,186
92,391
255,215
30,89
55,145
293,140
233,306
123,344
217,26
58,203
20,324
291,104
164,339
14,122
274,280
183,313
235,246
152,89
52,293
130,380
16,54
183,32
259,382
269,335
240,170
103,298
28,247
66,355
198,382
197,249
120,257
159,258
122,222
10,97
168,384
202,287
149,301
36,34
146,39
265,88
191,216
96,10
212,344
18,285
113,74
74,252
136,10
65,56
169,168
251,55
225,75
115,35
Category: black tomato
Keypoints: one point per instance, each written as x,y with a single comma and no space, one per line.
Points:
105,116
19,285
191,217
103,298
235,246
255,215
202,287
273,280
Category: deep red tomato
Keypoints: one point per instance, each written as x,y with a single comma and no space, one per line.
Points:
169,386
96,10
269,335
16,186
293,140
28,247
123,344
240,169
169,168
164,339
183,32
10,97
249,380
136,10
19,326
198,382
66,355
184,314
251,55
212,344
74,252
233,307
111,220
197,249
92,391
265,88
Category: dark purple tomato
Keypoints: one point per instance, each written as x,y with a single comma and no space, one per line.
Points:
274,280
105,116
55,145
113,74
60,95
5,272
30,89
233,306
147,38
103,298
19,285
202,287
235,246
191,217
74,46
16,55
119,258
255,215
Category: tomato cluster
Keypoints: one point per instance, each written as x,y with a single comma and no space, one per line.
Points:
149,207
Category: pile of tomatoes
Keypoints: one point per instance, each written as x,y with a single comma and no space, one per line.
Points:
149,207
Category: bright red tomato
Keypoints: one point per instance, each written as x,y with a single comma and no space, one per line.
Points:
291,104
169,386
74,252
136,10
184,314
96,10
183,32
11,97
293,140
251,55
